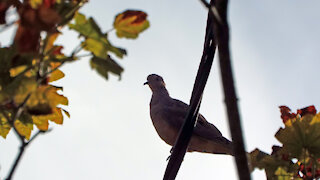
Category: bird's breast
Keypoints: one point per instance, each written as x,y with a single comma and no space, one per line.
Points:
163,128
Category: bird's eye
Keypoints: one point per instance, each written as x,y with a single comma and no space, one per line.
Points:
158,79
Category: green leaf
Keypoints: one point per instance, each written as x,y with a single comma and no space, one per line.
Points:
303,136
130,23
6,56
270,163
86,27
95,41
104,66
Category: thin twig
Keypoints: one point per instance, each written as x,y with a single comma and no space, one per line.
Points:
84,55
16,162
22,148
36,135
17,114
77,49
45,75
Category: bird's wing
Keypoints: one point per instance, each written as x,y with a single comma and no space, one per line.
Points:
203,128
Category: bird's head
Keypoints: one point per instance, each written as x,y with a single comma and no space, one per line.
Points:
155,82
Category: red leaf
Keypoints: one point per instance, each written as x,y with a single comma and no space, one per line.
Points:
49,3
286,113
307,110
141,16
42,18
57,50
27,39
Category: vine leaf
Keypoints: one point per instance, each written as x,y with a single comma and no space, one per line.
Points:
95,41
4,126
300,135
299,155
104,66
262,160
42,123
130,23
24,125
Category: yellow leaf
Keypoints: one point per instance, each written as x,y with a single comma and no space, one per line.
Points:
44,100
282,174
4,126
130,23
24,129
97,47
57,116
51,39
315,119
66,113
17,70
42,123
35,3
26,87
56,75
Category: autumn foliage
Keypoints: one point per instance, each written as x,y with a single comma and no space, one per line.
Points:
30,64
299,155
32,61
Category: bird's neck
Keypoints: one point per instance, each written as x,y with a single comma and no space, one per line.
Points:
159,94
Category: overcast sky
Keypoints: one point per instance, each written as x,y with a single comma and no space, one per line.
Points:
275,53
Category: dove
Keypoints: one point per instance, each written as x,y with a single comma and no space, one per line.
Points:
168,115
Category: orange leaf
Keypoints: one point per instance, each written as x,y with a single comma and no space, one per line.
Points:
56,75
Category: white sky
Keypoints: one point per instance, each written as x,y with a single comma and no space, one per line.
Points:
275,47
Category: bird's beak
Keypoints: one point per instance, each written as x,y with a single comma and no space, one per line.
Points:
145,83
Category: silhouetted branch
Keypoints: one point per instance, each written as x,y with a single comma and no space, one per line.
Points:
181,145
222,34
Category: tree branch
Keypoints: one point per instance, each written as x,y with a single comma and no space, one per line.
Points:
22,148
181,145
24,144
222,33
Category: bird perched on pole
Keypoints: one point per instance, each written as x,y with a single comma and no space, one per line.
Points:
168,115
